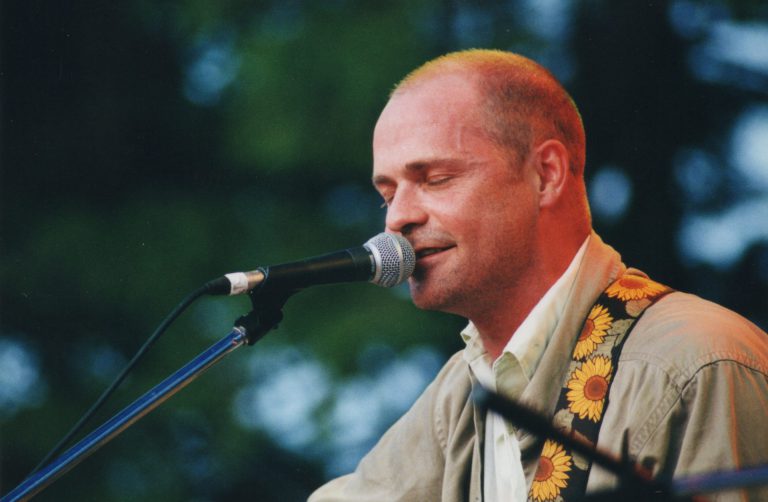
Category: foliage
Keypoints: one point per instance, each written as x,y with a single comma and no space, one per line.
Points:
150,146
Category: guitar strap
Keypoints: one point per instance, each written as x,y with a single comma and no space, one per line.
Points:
562,475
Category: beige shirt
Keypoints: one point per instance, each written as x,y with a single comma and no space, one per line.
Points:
510,373
691,392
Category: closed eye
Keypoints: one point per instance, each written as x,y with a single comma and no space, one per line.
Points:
438,180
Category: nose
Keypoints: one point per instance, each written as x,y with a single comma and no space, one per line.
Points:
405,211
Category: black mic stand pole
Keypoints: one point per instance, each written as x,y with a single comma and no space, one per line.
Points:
635,484
266,314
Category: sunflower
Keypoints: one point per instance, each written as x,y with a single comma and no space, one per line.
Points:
551,473
588,386
593,333
634,287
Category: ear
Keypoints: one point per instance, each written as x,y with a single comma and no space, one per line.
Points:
552,167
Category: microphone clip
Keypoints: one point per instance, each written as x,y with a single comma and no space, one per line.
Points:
266,311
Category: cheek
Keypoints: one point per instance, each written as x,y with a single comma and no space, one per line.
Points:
484,213
507,227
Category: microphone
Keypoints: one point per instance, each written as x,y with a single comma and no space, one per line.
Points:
385,260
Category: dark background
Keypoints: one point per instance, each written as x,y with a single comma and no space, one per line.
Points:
149,146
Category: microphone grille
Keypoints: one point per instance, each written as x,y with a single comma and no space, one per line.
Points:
394,259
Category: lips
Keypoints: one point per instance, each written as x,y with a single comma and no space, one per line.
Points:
423,252
426,252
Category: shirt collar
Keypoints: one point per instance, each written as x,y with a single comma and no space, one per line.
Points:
530,339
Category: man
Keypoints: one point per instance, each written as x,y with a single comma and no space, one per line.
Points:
479,156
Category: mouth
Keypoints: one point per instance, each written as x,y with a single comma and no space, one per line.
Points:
430,251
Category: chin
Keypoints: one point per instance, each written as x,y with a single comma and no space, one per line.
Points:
427,298
420,295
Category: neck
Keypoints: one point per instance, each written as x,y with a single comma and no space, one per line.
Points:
497,322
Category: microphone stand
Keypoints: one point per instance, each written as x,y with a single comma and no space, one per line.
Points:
634,483
250,328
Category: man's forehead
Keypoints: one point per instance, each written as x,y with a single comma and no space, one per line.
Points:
446,88
437,118
444,100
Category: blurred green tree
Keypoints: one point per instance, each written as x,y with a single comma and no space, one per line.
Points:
150,146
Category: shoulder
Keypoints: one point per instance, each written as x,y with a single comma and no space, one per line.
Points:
690,388
408,461
682,333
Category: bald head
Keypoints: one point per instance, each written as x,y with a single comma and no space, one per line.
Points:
522,104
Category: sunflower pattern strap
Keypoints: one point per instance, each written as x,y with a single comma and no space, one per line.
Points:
561,475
